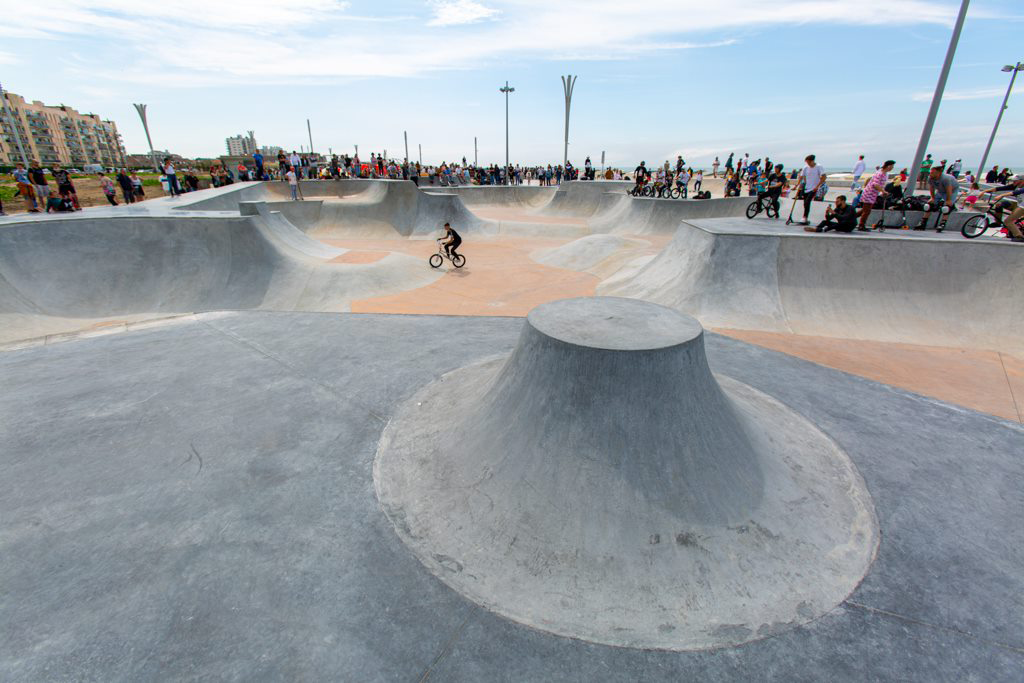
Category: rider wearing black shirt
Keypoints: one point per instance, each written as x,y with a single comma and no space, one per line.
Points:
641,174
454,240
776,183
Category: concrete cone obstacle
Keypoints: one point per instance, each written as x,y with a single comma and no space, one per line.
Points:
602,483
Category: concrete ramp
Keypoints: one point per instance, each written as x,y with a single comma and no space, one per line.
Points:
939,292
601,483
57,275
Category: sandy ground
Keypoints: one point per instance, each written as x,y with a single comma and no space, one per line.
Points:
90,193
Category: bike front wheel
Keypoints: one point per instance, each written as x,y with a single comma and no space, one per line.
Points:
458,260
436,260
975,226
753,209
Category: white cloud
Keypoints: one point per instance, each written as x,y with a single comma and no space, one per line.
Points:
269,42
457,12
976,94
8,58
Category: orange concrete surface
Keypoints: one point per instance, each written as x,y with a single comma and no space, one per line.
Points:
986,381
358,256
499,278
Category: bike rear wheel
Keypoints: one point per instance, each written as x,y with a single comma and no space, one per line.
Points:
771,210
753,209
436,260
649,191
458,260
975,226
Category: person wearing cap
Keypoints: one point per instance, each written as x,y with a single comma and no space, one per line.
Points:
874,191
944,190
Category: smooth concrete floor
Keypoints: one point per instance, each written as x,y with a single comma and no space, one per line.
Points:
194,501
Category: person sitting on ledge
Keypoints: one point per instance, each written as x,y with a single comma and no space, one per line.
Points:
841,219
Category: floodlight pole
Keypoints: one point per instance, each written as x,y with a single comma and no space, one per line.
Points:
568,83
1019,66
922,145
14,127
141,108
406,134
310,131
476,161
506,90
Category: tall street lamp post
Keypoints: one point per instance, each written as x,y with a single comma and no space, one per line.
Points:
1019,66
506,90
568,83
922,145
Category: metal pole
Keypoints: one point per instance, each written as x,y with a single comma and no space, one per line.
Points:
476,161
933,111
141,108
421,154
568,83
14,127
506,90
602,160
310,131
406,134
357,150
1019,66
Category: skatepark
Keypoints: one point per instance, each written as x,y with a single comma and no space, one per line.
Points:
631,439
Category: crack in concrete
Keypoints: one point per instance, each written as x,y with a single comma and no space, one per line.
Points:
1009,385
242,341
949,629
447,646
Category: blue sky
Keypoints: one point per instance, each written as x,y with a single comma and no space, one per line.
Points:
655,79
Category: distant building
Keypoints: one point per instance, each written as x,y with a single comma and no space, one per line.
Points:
241,145
270,151
52,135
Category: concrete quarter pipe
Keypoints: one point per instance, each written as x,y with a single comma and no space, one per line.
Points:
601,483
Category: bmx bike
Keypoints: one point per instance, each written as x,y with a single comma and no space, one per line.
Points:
976,226
437,259
766,204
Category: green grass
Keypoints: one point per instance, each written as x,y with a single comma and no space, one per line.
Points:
8,192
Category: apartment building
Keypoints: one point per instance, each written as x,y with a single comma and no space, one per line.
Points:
241,145
57,135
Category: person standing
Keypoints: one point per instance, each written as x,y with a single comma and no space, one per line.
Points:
124,181
698,180
926,167
140,194
293,183
954,168
257,159
874,189
728,163
25,188
65,188
992,175
812,176
858,171
714,168
38,180
172,178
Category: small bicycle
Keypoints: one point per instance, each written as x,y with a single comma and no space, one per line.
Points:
766,204
437,259
976,226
